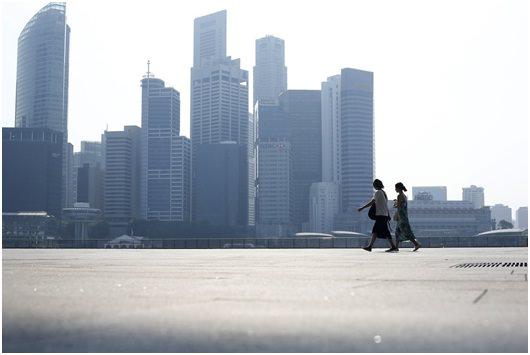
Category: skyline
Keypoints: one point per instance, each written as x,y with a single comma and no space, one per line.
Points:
411,105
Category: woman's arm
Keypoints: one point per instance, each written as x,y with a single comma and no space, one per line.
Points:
367,205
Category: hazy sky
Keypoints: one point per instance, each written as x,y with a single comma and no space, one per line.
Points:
451,77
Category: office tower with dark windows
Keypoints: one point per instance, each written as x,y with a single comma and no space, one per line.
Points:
222,180
302,108
270,73
122,182
164,193
89,174
348,144
42,79
289,158
32,170
219,99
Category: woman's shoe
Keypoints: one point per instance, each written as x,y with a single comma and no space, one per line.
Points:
367,248
417,247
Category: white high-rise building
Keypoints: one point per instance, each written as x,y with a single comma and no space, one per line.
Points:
270,73
521,217
501,212
323,206
475,195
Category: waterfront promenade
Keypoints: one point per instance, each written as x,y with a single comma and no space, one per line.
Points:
264,300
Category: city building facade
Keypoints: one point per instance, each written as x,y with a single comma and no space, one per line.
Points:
438,193
219,106
475,195
42,81
500,212
221,183
122,177
32,170
521,218
270,72
323,206
164,195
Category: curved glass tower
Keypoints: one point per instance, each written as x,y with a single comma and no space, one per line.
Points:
42,70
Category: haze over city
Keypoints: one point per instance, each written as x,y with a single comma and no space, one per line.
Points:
450,77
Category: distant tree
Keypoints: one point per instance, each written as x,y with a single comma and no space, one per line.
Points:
504,225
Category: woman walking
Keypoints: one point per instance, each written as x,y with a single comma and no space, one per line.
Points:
403,230
379,203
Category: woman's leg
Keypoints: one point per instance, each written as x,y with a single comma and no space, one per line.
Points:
372,241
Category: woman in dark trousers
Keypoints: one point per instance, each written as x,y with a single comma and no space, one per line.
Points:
382,217
403,230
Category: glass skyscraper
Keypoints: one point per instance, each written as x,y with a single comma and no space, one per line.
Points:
42,71
42,81
219,99
270,73
164,191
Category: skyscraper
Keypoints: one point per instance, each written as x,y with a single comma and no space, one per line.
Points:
302,108
475,195
270,73
31,170
219,94
331,120
222,183
292,123
164,194
122,171
209,39
42,80
323,206
357,137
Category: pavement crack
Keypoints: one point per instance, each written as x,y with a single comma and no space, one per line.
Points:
480,296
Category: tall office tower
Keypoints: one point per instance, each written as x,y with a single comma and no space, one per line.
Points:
32,170
252,169
500,212
209,38
475,195
438,193
323,206
331,119
302,108
164,154
219,95
357,137
42,79
270,73
122,171
222,182
521,217
275,190
90,187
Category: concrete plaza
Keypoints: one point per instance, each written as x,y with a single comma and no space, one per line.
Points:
264,300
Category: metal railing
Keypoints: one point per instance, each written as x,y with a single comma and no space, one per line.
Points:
268,243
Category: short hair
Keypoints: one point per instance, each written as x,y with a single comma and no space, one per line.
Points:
400,186
378,184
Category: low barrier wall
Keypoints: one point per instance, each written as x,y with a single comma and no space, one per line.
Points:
295,242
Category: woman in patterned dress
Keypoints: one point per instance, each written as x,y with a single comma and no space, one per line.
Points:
403,230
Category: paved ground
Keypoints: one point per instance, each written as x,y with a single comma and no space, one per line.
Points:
304,300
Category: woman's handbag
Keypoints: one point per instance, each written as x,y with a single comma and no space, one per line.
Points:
371,212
